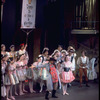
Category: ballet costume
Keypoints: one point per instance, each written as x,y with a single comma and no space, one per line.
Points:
67,76
21,75
42,75
3,88
32,75
52,79
15,77
24,69
9,81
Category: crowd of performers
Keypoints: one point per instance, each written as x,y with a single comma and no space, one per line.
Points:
55,70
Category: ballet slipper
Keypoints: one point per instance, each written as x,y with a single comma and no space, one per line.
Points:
25,91
67,93
34,91
12,98
21,93
40,90
31,91
8,99
16,93
64,93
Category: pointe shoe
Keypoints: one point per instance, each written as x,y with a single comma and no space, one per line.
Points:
67,93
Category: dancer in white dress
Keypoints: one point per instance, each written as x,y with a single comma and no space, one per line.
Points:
9,79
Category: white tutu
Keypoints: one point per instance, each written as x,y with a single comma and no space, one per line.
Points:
21,75
7,80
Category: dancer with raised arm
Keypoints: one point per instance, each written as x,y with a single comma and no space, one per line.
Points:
52,77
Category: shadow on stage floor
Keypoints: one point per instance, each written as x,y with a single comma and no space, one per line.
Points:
75,93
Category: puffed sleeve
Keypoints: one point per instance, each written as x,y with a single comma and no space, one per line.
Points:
87,62
75,55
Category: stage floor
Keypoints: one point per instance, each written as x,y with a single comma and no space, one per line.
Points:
75,93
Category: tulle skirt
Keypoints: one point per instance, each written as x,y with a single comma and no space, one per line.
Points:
7,80
67,77
32,74
21,75
16,78
29,73
25,72
43,74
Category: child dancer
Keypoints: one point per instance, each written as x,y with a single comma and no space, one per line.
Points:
24,62
43,71
15,76
20,73
12,54
3,67
33,73
67,75
9,79
72,56
52,77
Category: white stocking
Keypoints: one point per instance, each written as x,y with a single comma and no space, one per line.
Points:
11,90
7,90
20,87
15,89
41,85
30,86
65,87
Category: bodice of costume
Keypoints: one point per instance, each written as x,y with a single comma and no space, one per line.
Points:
19,65
11,68
11,54
67,66
22,52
